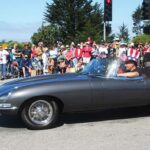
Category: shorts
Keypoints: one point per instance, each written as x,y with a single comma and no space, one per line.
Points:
86,60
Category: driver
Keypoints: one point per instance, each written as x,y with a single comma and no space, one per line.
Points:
131,70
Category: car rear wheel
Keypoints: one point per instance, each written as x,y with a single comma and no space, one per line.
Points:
40,114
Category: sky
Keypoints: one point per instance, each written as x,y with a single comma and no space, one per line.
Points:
19,19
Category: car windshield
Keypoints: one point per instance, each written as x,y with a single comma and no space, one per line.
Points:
102,67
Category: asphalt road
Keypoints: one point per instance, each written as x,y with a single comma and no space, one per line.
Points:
121,129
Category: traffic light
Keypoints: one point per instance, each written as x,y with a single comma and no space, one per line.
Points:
108,29
107,10
146,29
146,10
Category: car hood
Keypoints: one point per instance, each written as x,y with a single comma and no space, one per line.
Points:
44,79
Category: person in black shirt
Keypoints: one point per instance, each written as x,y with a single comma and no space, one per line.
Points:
111,52
131,70
26,66
27,51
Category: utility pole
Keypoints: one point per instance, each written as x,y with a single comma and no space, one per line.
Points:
104,32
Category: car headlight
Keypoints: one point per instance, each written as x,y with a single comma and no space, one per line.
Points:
3,100
5,93
4,97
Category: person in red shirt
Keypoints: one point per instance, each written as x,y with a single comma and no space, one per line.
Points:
90,41
78,52
87,53
33,48
69,56
146,49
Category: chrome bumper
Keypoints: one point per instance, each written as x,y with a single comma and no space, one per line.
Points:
9,110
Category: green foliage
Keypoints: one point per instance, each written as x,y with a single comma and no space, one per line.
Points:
111,38
47,34
124,33
76,19
137,20
142,39
12,43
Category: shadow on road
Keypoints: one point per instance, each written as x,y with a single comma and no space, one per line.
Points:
106,115
73,118
11,122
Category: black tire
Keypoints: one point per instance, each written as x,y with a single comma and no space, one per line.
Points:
33,123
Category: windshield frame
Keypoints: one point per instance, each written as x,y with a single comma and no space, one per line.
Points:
105,68
95,67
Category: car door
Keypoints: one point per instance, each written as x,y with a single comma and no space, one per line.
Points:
118,92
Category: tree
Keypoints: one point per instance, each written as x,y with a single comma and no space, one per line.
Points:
76,19
47,34
142,39
110,38
124,33
137,20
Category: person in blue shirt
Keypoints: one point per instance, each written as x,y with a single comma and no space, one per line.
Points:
26,66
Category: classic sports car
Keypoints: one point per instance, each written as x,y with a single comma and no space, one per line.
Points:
39,100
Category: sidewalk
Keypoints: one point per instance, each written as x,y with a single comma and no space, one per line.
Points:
4,81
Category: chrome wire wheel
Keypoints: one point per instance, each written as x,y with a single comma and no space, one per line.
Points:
41,112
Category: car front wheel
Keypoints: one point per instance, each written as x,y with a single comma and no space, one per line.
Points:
40,114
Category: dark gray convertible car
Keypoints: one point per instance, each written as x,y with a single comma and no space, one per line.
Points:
39,100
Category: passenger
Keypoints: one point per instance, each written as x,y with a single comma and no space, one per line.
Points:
131,70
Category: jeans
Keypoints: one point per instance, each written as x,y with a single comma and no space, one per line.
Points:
8,67
3,70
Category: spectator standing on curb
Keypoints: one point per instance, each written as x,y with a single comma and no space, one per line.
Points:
116,44
103,51
69,56
3,62
111,52
45,60
87,53
122,49
90,41
16,54
26,66
72,47
39,51
15,51
33,49
61,63
27,51
10,58
53,52
95,51
51,65
77,54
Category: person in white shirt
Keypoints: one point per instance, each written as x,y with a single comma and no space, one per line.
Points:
53,52
3,61
45,60
122,49
103,51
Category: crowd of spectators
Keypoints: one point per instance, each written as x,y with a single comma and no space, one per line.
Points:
40,59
